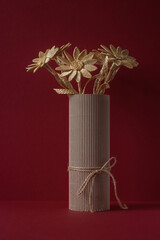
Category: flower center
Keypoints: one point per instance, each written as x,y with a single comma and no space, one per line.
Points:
77,65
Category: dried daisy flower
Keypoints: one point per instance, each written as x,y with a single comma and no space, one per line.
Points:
80,64
119,57
45,57
39,62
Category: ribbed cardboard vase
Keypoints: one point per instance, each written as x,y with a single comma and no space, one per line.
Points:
89,146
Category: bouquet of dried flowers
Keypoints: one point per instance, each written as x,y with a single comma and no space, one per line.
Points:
81,64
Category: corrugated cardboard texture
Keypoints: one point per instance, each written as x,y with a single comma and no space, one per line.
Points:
89,146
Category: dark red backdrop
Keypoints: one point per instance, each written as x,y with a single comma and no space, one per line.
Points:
34,119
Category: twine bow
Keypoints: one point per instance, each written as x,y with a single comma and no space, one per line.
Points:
94,171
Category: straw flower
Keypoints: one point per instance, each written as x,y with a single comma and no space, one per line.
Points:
119,57
81,64
45,57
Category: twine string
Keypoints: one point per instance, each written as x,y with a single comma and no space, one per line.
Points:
94,171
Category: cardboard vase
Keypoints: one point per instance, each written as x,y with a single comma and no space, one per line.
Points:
89,146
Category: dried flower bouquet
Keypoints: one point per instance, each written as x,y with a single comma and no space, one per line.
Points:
81,64
89,119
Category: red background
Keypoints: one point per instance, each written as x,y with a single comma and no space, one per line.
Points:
34,119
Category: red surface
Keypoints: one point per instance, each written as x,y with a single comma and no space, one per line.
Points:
51,220
34,119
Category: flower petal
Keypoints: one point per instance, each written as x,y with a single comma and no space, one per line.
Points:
105,48
76,53
78,77
62,60
90,67
133,61
88,57
32,64
85,73
73,74
63,68
46,51
113,48
127,64
118,52
30,68
64,47
125,52
90,61
41,54
47,59
65,73
52,52
35,60
36,69
82,54
68,56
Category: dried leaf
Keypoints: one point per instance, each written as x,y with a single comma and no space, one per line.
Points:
105,66
64,91
65,82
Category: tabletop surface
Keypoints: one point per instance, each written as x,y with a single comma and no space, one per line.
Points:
46,220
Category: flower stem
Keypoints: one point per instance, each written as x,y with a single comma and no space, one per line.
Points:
90,79
97,82
65,84
54,74
79,87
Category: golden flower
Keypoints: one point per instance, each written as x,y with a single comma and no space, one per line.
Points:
50,54
119,56
80,64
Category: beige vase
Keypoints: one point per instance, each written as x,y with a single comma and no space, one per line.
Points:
89,147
